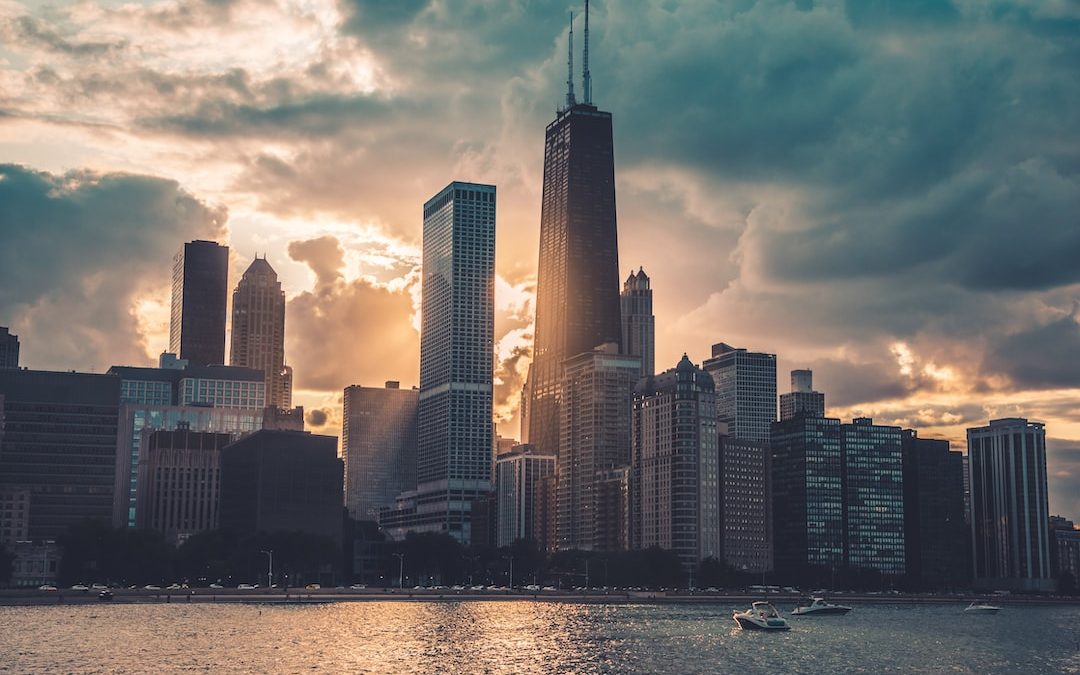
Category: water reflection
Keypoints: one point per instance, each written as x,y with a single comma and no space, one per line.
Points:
526,637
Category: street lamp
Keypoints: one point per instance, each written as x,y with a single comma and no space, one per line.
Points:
270,568
401,569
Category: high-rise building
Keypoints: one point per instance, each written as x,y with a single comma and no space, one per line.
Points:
9,349
838,499
745,390
638,322
745,504
282,481
807,497
935,534
378,442
454,413
179,482
674,494
1064,553
199,296
58,441
594,439
258,328
1009,513
577,290
518,475
802,398
873,497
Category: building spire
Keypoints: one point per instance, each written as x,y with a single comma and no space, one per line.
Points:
586,83
570,100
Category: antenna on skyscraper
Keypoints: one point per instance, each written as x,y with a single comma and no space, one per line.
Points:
586,83
570,100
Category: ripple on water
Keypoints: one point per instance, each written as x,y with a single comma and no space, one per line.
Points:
527,637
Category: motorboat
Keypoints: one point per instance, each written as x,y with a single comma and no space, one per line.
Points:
761,616
819,606
982,607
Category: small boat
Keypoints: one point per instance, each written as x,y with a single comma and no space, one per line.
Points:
761,616
981,607
819,606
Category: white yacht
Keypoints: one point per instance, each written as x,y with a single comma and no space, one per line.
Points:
819,606
982,607
760,616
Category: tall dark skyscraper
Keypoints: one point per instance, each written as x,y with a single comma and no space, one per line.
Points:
577,304
258,327
199,297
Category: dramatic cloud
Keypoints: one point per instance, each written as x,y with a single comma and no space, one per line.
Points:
79,251
885,191
347,332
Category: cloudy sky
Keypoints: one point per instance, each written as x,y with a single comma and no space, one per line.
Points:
886,191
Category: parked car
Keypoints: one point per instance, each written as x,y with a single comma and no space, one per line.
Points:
247,587
358,587
98,587
80,587
47,587
152,587
313,587
216,586
105,596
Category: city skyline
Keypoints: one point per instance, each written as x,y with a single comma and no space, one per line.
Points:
920,337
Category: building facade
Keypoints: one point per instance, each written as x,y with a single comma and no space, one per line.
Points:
745,390
518,475
282,481
577,290
873,497
802,398
225,399
454,411
179,482
199,297
258,328
14,514
594,439
674,490
638,322
9,349
378,443
1009,511
807,497
58,441
745,504
935,533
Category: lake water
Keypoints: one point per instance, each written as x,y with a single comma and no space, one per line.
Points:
529,637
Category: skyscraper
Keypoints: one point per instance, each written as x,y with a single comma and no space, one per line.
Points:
745,390
838,497
1009,513
58,441
745,504
518,475
638,322
935,534
577,291
454,414
808,497
378,445
594,439
873,497
199,296
9,349
673,476
258,327
802,398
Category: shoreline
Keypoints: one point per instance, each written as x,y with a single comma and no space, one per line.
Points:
37,598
